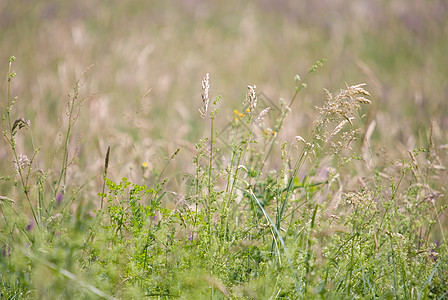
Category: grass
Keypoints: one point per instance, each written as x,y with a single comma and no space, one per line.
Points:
237,232
131,192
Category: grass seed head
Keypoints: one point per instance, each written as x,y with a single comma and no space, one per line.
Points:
262,115
205,97
346,103
251,98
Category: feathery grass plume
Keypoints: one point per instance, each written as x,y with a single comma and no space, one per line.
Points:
205,98
298,138
345,103
336,130
337,111
218,284
6,199
251,99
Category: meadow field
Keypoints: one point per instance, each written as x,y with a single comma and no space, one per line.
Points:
198,149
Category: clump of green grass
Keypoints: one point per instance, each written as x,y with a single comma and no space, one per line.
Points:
243,228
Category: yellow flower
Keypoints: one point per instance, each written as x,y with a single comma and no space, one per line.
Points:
236,112
145,165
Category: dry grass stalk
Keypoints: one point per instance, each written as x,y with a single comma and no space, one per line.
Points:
251,98
262,115
345,103
205,97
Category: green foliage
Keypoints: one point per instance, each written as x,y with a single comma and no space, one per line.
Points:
243,227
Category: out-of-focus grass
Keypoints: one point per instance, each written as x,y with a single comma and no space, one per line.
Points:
168,46
142,93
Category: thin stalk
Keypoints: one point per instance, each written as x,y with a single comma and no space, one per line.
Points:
71,121
210,171
166,165
63,174
280,125
308,246
298,166
12,142
393,264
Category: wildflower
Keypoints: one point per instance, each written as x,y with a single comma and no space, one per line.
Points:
55,217
205,97
192,236
6,251
144,165
22,162
29,226
239,114
59,198
433,252
269,131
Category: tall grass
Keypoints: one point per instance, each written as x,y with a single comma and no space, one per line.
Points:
324,219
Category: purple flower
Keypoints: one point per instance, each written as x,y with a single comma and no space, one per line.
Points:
5,251
434,253
192,236
155,218
59,198
29,226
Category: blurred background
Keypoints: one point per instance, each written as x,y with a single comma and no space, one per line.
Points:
146,59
